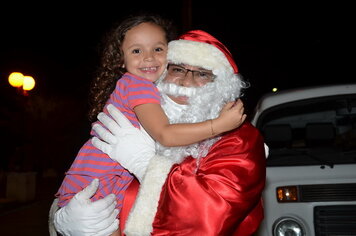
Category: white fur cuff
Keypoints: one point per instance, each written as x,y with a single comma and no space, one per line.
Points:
140,219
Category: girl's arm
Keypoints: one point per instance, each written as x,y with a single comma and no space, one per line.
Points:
156,123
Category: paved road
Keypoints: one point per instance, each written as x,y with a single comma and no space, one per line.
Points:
31,218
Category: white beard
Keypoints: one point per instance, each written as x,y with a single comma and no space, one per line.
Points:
205,103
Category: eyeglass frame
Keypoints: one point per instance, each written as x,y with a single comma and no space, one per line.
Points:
196,71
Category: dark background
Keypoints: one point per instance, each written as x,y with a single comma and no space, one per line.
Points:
284,45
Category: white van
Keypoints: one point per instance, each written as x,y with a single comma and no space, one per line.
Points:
311,167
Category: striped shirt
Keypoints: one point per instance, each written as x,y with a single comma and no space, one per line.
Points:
91,163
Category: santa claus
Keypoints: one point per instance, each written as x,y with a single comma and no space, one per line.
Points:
210,188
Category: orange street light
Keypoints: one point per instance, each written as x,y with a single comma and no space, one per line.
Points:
21,82
16,79
28,83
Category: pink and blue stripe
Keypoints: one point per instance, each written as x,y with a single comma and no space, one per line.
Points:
91,163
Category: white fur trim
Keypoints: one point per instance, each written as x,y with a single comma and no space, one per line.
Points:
140,219
199,54
52,212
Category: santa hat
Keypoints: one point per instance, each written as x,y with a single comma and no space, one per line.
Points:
198,48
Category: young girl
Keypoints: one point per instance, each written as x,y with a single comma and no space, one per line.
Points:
134,58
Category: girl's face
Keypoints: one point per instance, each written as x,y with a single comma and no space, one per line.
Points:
145,51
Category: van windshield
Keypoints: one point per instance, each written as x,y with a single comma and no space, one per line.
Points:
318,131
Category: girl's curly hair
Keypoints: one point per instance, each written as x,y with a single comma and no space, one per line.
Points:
112,59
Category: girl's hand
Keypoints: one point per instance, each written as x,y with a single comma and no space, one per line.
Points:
231,116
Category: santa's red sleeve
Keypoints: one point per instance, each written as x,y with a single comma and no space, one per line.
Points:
219,196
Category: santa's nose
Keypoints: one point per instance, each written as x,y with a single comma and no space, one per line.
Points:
188,80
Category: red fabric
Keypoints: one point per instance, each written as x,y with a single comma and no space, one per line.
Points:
129,199
223,197
204,37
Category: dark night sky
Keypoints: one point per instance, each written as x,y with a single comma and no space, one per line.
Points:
282,45
295,44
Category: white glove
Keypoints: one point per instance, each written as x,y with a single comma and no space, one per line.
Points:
131,147
81,217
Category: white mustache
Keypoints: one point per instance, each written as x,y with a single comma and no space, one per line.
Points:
176,90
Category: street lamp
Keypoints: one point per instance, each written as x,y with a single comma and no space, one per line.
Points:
18,80
28,83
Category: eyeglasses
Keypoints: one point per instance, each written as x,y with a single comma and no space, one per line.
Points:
181,72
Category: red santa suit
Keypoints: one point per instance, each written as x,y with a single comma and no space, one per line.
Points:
221,197
218,193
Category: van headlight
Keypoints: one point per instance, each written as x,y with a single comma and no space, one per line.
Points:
288,226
